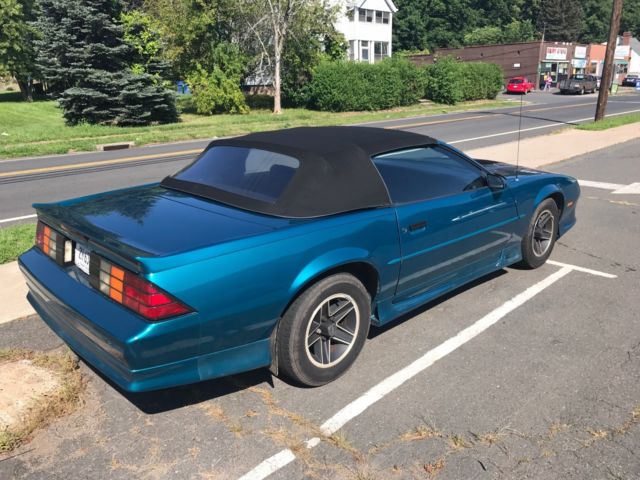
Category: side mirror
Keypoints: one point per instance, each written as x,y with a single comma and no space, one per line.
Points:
495,182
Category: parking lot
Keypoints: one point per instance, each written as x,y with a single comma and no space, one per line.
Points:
524,374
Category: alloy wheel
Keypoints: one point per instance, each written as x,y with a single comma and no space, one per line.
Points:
543,233
332,330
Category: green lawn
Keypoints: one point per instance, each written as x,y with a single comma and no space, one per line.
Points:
16,240
611,122
38,128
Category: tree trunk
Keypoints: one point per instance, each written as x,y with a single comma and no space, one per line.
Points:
25,88
277,107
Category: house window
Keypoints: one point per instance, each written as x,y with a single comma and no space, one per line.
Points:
364,50
380,50
365,15
351,15
382,17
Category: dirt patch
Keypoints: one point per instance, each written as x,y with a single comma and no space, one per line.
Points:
35,389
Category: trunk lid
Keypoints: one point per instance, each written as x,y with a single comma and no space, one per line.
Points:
154,221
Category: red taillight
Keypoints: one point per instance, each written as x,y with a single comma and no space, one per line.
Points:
139,295
47,239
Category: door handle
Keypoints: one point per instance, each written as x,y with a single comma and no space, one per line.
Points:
415,227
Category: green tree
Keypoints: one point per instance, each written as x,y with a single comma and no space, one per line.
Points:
483,36
562,21
143,37
84,61
17,56
77,37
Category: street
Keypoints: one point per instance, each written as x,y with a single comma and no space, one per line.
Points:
53,178
523,374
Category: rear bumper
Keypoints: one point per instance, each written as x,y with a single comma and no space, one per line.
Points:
134,354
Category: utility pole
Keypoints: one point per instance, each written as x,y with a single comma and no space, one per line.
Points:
607,71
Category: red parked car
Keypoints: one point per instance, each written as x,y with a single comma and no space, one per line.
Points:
519,85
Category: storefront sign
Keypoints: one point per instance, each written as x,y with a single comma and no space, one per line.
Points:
556,53
577,63
580,52
622,51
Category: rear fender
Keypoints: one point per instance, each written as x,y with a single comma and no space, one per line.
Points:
327,261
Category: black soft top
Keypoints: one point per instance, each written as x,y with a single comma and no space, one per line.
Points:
336,173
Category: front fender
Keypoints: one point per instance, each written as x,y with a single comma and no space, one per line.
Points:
546,192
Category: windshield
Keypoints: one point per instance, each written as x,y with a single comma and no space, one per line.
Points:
250,172
578,77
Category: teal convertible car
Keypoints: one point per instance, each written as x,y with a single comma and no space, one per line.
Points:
279,250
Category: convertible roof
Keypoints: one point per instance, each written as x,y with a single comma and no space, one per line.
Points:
336,173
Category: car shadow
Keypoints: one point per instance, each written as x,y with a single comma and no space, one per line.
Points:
160,401
375,331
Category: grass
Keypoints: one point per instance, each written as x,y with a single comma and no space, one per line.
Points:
38,128
611,122
61,402
16,240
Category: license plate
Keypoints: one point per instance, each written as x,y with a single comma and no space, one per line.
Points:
81,258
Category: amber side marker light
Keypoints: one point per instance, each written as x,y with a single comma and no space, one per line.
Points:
135,293
570,204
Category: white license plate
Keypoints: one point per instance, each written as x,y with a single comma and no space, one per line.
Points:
81,258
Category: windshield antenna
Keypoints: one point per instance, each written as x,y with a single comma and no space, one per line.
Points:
519,129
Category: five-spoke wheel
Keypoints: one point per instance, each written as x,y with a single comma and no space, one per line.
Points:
541,235
323,330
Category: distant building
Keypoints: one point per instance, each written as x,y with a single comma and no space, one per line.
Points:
535,59
367,27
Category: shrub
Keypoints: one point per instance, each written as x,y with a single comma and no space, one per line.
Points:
449,81
216,92
258,101
348,86
121,98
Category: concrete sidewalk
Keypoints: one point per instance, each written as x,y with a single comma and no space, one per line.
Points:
13,293
534,153
555,147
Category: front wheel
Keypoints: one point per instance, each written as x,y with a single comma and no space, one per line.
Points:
540,238
323,331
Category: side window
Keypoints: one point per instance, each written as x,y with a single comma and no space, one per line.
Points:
428,172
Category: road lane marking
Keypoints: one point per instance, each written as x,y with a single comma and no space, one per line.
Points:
537,128
582,269
98,163
434,122
389,384
15,219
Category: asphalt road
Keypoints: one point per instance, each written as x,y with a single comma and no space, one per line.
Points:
548,386
53,178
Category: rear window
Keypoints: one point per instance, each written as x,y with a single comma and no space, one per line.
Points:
250,172
515,80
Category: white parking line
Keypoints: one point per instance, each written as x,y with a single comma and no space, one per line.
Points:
379,391
15,219
618,188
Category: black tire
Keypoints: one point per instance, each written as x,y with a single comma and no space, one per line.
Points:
538,242
302,352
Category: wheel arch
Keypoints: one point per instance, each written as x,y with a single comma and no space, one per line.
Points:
360,268
553,192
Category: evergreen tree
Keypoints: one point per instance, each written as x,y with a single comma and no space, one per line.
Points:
84,59
562,21
77,37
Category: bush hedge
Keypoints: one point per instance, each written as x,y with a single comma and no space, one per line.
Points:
449,81
350,86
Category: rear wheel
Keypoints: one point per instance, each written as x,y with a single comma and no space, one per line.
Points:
323,331
538,243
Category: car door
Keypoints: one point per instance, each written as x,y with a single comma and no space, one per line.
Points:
452,226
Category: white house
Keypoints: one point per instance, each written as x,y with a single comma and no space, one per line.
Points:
366,24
